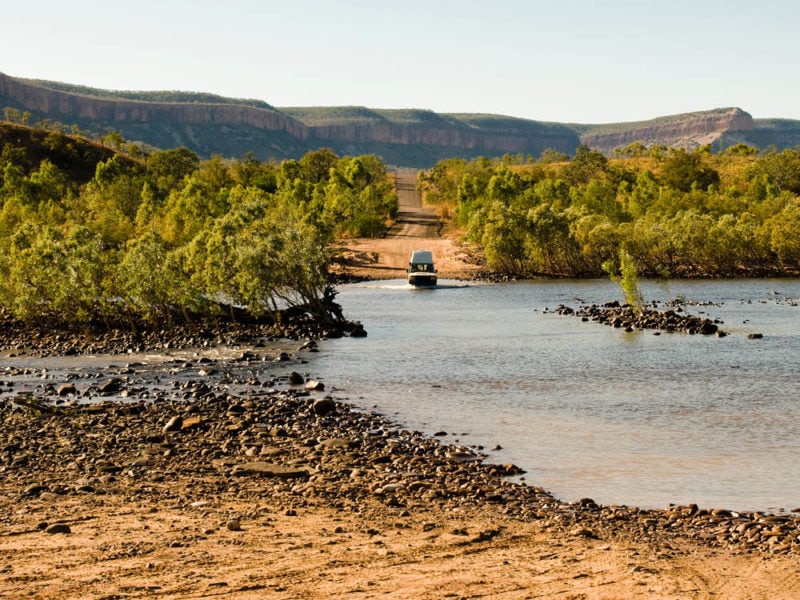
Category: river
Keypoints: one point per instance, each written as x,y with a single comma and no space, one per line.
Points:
588,410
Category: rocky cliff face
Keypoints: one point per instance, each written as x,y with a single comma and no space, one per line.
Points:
60,105
451,137
411,138
685,131
147,121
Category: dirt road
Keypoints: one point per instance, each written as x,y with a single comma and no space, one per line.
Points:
417,228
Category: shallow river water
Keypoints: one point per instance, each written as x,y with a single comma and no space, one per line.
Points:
589,410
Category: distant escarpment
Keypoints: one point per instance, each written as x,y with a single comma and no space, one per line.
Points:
210,124
689,131
781,133
98,106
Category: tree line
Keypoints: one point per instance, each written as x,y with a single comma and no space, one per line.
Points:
152,239
675,212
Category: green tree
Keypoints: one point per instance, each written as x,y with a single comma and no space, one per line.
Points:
549,156
626,276
632,150
784,235
779,169
317,165
684,171
166,169
113,139
250,172
585,165
143,280
741,150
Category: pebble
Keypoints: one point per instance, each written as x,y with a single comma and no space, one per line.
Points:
174,424
233,525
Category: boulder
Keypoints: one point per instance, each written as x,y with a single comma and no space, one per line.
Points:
323,406
67,389
112,386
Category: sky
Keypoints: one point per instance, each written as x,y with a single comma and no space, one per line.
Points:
573,61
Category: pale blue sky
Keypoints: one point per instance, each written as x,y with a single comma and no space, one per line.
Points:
580,61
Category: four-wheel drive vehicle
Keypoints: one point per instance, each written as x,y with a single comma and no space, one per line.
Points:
421,271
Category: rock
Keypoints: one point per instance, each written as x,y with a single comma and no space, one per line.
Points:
247,357
296,378
583,533
461,455
67,389
106,466
315,386
310,345
233,525
174,424
191,422
708,328
323,406
266,469
112,386
58,528
358,331
33,491
334,443
755,336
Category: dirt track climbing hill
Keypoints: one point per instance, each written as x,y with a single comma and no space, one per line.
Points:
417,228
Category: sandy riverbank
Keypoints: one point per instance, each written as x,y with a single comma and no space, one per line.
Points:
221,478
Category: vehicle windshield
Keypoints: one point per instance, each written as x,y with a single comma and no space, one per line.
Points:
424,267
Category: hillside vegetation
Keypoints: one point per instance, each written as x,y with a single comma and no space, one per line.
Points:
167,96
92,238
76,157
675,212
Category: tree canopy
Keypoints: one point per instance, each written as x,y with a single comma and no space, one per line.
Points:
168,236
671,211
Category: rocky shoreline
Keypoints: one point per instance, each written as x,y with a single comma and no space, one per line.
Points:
17,339
254,426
